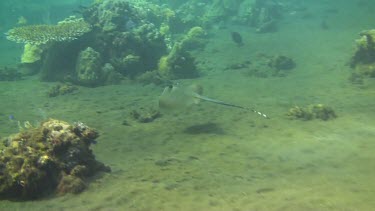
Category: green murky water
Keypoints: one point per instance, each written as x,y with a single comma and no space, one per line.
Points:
211,157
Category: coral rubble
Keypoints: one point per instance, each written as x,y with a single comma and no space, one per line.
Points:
52,158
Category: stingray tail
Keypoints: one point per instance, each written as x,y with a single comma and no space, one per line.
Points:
259,113
201,97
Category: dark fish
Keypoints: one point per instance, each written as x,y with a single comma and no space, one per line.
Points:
237,38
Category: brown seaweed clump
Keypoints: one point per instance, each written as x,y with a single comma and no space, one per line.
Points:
318,111
52,158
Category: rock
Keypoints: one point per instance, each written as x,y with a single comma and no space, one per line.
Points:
70,184
54,157
281,63
61,89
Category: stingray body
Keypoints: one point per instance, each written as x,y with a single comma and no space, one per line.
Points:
175,97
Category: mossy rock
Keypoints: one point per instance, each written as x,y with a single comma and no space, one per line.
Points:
52,158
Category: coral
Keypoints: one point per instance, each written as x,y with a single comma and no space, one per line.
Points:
70,184
363,60
194,39
150,77
31,53
168,14
221,9
127,42
61,89
163,66
113,15
318,111
59,60
54,157
164,29
299,113
109,75
131,65
133,48
365,48
196,32
187,15
263,15
66,30
177,64
88,67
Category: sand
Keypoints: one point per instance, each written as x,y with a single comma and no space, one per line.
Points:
212,157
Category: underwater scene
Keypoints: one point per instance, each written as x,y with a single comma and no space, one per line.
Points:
165,105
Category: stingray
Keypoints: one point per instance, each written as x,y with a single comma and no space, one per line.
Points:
175,97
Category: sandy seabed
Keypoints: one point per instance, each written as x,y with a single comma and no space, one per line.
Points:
211,157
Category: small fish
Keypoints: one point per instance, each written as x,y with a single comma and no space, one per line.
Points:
11,117
237,38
